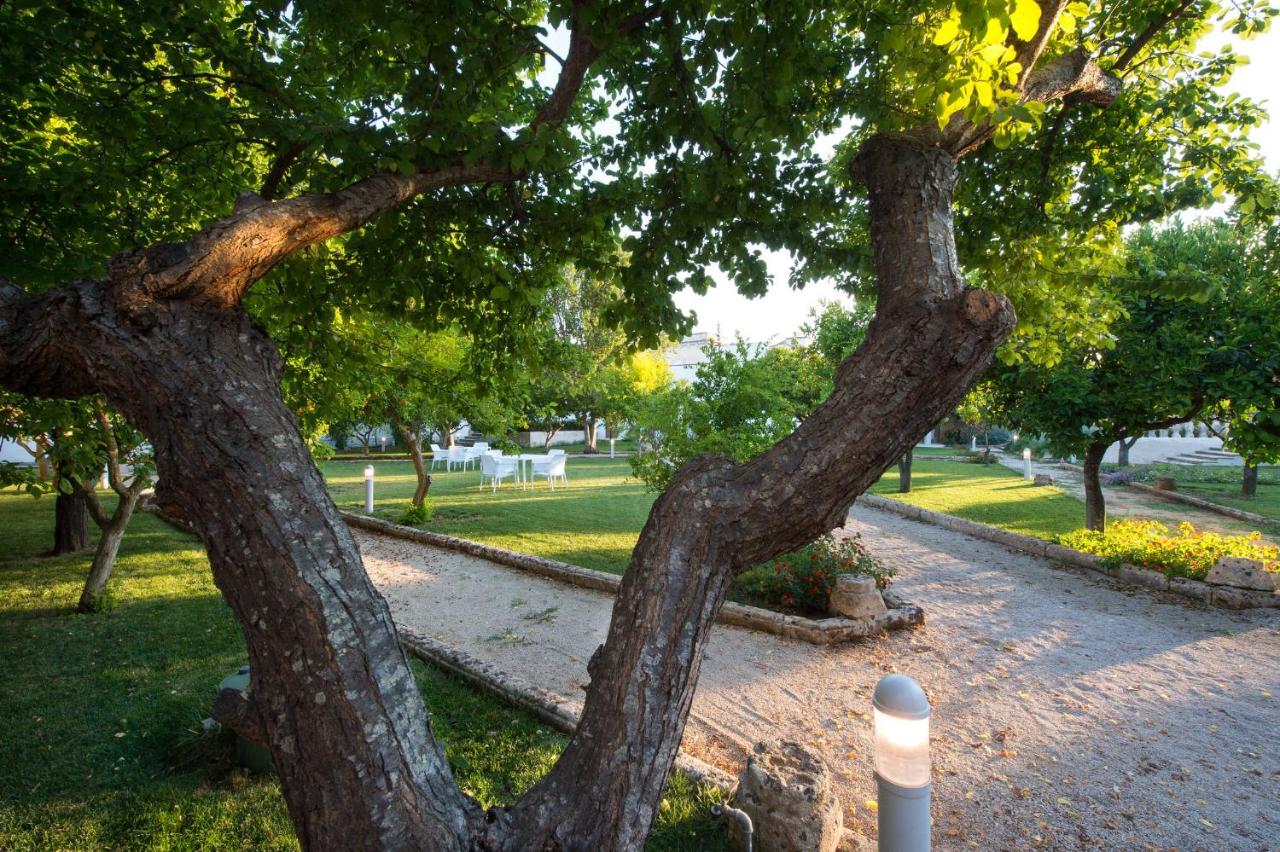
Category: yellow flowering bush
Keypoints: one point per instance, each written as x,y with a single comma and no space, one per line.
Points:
1187,553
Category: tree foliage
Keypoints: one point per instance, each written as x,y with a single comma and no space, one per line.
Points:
1195,333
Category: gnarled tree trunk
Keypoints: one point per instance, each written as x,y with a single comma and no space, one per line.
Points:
1095,505
1126,444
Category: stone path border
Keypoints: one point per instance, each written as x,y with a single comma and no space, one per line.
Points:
816,631
1188,500
542,704
1223,596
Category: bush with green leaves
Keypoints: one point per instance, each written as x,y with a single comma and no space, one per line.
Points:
804,579
1187,553
416,514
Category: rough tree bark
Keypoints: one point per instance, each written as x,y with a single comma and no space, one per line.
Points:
904,472
165,339
70,518
1249,480
1095,506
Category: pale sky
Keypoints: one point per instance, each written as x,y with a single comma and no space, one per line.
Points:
780,312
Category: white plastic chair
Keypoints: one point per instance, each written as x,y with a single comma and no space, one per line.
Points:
481,447
551,467
438,456
460,456
495,469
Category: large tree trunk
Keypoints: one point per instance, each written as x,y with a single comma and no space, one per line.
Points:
904,472
1095,506
930,340
104,558
331,684
70,523
332,692
1249,481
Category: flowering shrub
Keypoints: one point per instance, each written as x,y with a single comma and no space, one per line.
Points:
804,579
1150,544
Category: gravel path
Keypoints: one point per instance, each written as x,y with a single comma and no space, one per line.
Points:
1070,713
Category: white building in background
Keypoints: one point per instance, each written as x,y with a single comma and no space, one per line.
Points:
683,358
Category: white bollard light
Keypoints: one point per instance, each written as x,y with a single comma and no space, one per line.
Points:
611,447
973,444
368,489
1026,463
901,713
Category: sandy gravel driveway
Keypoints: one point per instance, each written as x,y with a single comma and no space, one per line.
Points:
1069,713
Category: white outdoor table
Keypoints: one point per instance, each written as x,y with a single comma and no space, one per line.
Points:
520,462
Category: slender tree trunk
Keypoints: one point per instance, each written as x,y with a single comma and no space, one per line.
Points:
904,472
104,558
1095,506
412,439
589,424
1249,481
70,524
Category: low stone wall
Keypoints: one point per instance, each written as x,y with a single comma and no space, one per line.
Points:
819,631
1229,597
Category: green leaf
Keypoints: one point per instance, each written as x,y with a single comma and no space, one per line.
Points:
947,32
1025,19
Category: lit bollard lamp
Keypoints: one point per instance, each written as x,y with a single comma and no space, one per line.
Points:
901,713
368,489
1026,463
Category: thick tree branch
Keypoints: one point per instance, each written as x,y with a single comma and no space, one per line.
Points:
1144,38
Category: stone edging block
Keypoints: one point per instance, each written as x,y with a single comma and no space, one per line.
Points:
1228,597
822,631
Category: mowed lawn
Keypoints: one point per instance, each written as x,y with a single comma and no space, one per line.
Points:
593,523
102,746
596,520
989,494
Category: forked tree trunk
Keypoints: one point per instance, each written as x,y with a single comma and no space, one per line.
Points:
104,557
70,524
904,472
333,693
1126,444
1249,481
1095,505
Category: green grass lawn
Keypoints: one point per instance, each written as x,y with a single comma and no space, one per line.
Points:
989,494
102,746
1218,484
593,523
1265,502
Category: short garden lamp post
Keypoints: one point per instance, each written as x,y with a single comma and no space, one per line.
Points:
611,440
901,713
368,489
1026,463
384,443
